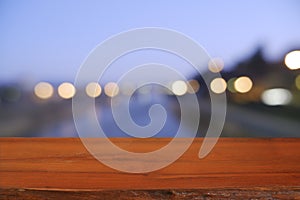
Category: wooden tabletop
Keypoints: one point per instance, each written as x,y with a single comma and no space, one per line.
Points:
36,166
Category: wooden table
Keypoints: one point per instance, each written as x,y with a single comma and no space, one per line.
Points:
237,168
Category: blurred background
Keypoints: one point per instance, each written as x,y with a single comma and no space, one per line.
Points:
255,45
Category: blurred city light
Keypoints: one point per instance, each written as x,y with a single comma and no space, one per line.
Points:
43,90
215,65
218,85
179,88
255,63
297,82
243,84
111,89
93,89
66,90
276,97
230,85
193,86
292,60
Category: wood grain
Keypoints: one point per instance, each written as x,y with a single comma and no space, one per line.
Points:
236,165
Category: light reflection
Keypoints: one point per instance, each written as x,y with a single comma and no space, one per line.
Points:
218,85
66,90
292,60
43,90
276,97
215,65
179,88
111,89
243,84
93,89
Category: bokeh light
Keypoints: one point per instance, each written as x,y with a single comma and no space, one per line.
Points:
93,89
297,82
215,65
111,89
218,85
276,97
179,88
243,84
43,90
193,86
66,90
230,85
292,60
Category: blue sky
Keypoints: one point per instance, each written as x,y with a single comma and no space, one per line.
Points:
48,40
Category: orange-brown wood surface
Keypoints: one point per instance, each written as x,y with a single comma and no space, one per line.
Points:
63,164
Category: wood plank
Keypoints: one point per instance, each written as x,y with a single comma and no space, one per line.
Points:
199,194
37,165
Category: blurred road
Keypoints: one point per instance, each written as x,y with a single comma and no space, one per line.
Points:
55,120
242,121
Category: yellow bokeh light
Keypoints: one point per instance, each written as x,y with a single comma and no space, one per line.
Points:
179,88
66,90
218,85
43,90
243,84
93,89
292,60
111,89
297,82
215,65
193,86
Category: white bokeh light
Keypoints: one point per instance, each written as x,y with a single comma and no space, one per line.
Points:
218,85
66,90
292,60
93,89
243,84
43,90
179,88
276,97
